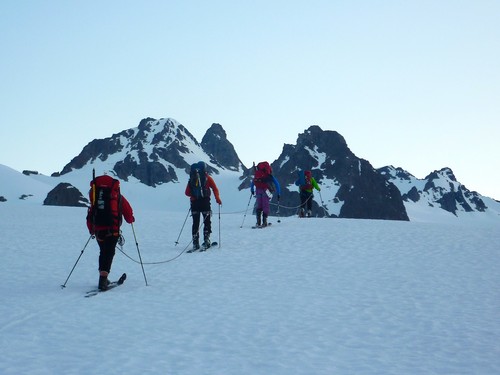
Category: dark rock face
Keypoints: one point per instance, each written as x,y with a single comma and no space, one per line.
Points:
412,195
65,194
150,173
367,195
98,148
28,172
221,151
395,173
364,192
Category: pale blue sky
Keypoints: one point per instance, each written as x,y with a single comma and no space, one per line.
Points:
414,84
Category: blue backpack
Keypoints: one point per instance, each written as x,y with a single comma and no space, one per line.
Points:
198,180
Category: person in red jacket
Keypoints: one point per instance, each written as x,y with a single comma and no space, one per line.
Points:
104,218
198,190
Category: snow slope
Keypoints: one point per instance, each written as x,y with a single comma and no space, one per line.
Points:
16,187
305,296
34,189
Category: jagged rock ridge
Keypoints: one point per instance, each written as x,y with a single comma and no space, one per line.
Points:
154,150
439,189
350,183
160,152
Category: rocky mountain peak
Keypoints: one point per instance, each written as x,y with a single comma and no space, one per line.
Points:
438,189
314,136
221,151
154,150
357,190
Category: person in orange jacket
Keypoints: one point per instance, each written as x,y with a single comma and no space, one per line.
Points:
198,190
104,218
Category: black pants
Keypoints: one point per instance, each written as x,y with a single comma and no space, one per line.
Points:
107,245
201,207
306,200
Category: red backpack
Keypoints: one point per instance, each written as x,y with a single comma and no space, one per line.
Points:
263,172
307,181
105,204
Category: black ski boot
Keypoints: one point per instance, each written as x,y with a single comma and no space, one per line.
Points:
264,220
259,220
206,242
103,283
196,242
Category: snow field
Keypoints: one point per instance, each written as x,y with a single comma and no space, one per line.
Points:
305,296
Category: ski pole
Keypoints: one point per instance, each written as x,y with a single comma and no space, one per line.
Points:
219,226
177,242
323,204
248,205
81,253
278,211
140,259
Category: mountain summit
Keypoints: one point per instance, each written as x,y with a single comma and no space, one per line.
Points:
351,186
155,151
221,151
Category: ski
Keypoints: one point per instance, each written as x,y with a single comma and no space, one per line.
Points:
261,226
111,285
203,248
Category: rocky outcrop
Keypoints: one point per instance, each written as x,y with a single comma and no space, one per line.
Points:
65,194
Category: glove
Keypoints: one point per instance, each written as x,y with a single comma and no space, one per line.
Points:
219,202
278,197
252,192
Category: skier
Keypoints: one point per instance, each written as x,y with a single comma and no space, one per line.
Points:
104,218
198,190
263,185
306,184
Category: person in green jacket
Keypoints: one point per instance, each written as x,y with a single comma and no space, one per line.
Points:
306,184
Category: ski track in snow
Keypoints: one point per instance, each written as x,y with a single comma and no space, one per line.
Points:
305,296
